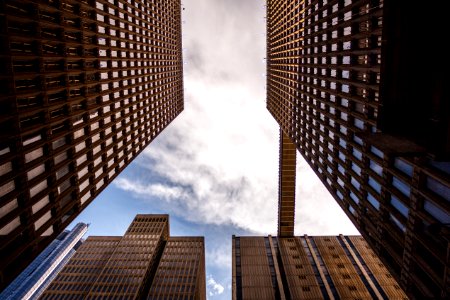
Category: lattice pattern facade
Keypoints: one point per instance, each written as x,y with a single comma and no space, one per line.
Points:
143,264
85,86
325,62
321,267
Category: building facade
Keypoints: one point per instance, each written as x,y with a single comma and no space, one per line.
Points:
359,97
304,267
32,282
85,87
146,263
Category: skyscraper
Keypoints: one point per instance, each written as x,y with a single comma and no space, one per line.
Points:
146,263
85,87
32,282
304,267
364,103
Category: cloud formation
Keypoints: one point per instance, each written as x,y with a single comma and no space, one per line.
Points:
214,288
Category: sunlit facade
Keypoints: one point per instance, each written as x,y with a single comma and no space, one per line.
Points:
85,87
305,267
146,263
365,104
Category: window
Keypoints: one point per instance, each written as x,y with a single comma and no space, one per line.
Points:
355,183
354,197
34,155
436,212
356,168
41,221
8,207
7,188
403,166
376,168
40,204
398,223
357,154
399,206
401,186
376,151
38,188
359,124
5,168
438,188
10,226
374,184
373,201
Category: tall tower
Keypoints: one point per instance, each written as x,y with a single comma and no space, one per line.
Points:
85,87
143,264
32,282
365,105
304,267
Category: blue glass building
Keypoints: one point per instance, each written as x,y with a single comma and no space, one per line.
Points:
32,282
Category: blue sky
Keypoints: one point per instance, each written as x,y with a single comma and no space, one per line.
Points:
214,169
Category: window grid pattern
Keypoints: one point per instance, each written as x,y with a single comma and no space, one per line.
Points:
87,86
324,67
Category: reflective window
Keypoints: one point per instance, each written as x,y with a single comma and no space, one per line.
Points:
443,166
8,207
374,184
436,212
353,196
357,140
355,183
341,169
403,166
340,182
359,124
373,201
352,210
357,154
401,186
341,156
399,206
438,188
376,168
342,143
340,195
356,168
376,151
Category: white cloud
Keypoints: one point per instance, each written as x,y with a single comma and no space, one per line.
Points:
214,288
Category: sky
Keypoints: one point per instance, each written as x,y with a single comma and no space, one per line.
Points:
214,169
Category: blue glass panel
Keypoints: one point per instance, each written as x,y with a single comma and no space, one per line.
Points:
353,196
401,186
403,166
374,184
436,212
340,182
356,168
357,154
357,140
340,195
438,188
344,116
343,129
344,102
399,206
376,151
352,210
341,156
373,201
342,143
358,123
376,168
341,169
355,183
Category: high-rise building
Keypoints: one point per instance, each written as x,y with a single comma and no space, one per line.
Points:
364,103
85,86
304,267
146,263
32,282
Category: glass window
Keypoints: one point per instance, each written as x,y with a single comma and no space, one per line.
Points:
438,188
444,166
342,143
343,129
34,154
359,124
374,184
356,168
357,154
376,151
399,206
38,188
357,140
354,197
352,210
6,188
403,166
436,212
355,183
5,168
8,207
40,204
401,186
340,182
373,201
341,156
340,195
376,168
341,169
10,226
